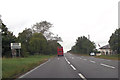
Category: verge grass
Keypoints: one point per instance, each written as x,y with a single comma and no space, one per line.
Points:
14,67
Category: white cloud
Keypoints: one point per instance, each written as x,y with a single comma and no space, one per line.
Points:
71,18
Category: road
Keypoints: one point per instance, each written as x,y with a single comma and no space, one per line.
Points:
78,67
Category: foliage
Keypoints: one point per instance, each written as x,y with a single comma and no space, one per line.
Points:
38,43
83,45
115,41
7,38
52,46
43,27
24,38
33,41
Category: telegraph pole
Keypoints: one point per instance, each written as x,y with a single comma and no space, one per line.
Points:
88,36
0,48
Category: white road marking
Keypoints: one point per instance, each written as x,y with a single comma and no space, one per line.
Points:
33,69
58,58
82,76
92,61
108,60
72,57
73,67
67,60
80,58
107,65
85,59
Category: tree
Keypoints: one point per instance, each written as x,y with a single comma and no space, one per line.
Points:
24,38
83,45
7,38
114,41
43,28
52,47
38,44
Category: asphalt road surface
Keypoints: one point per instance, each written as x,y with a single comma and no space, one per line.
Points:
73,66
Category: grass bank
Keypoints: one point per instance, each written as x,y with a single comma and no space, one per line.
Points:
14,67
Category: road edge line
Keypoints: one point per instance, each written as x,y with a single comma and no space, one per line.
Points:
33,69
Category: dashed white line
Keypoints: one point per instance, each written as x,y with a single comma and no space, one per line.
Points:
82,76
67,61
80,58
108,60
92,61
85,59
58,58
72,57
70,64
73,67
107,65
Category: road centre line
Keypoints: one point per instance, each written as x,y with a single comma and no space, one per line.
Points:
70,64
82,76
72,57
67,61
73,67
92,61
107,65
34,69
85,59
108,60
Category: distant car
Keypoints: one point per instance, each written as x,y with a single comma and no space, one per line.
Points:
92,54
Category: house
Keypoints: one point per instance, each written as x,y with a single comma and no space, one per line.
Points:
105,50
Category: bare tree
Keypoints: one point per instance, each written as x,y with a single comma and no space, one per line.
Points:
41,27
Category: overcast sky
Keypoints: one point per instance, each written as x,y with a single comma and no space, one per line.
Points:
71,18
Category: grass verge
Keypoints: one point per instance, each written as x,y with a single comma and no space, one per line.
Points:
14,67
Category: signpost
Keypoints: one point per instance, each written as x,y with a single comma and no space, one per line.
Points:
15,46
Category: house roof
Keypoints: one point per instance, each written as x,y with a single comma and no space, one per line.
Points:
105,47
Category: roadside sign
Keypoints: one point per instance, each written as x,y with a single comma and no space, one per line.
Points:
15,45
